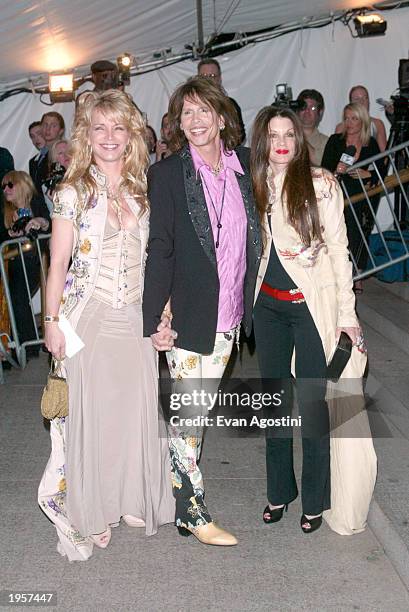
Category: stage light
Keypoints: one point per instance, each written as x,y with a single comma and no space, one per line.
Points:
61,87
124,62
369,25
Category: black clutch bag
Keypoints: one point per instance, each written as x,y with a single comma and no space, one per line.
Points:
340,357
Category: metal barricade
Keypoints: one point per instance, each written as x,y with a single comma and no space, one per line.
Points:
392,190
12,250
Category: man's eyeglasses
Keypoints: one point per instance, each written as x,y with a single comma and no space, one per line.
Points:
9,184
311,108
210,75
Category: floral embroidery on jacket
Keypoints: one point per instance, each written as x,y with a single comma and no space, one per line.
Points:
304,255
85,246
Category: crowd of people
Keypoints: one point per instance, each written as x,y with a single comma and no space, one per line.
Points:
174,244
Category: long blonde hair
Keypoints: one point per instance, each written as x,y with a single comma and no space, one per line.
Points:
24,192
118,105
362,114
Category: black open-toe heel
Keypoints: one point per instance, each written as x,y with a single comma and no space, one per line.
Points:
315,523
184,532
273,516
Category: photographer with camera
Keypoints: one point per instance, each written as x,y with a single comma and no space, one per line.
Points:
310,111
59,160
19,197
309,107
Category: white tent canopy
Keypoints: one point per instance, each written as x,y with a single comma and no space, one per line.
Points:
327,58
40,37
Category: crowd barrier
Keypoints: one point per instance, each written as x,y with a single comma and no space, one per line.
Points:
392,190
12,253
363,208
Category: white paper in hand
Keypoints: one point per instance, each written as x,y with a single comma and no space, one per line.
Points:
73,343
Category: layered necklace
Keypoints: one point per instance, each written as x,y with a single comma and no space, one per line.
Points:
216,171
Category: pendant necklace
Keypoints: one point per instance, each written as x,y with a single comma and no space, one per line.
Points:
271,191
114,197
218,215
218,167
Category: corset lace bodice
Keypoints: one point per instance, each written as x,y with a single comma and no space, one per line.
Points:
118,282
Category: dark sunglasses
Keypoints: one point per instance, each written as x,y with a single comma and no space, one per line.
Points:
9,184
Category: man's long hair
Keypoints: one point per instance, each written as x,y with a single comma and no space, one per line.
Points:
298,192
201,89
118,106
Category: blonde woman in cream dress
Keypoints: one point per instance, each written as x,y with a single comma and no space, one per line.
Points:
109,461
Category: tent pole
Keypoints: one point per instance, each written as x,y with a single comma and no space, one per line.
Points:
199,16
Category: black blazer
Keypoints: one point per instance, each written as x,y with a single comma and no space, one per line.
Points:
39,172
181,262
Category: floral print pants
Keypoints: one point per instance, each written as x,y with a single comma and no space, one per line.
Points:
185,448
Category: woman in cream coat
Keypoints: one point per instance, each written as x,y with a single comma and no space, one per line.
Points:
304,299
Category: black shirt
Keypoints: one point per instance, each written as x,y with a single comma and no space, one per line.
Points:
275,275
336,146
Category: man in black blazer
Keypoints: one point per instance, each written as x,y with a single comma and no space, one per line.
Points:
35,132
203,256
52,129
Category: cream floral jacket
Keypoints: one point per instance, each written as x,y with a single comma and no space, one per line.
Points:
88,226
322,271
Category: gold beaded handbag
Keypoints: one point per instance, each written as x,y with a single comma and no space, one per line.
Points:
54,402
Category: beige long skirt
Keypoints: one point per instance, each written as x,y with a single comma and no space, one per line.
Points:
113,445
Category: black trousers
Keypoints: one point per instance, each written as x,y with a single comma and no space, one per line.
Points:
280,327
19,294
366,222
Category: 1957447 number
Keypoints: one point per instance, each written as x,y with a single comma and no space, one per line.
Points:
20,598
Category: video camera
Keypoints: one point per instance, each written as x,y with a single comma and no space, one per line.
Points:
56,176
284,98
400,102
20,226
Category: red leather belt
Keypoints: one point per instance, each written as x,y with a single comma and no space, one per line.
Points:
291,295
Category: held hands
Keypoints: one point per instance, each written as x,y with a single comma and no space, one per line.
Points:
355,333
55,340
164,338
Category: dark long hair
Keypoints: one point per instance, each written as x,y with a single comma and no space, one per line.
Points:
298,188
200,88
